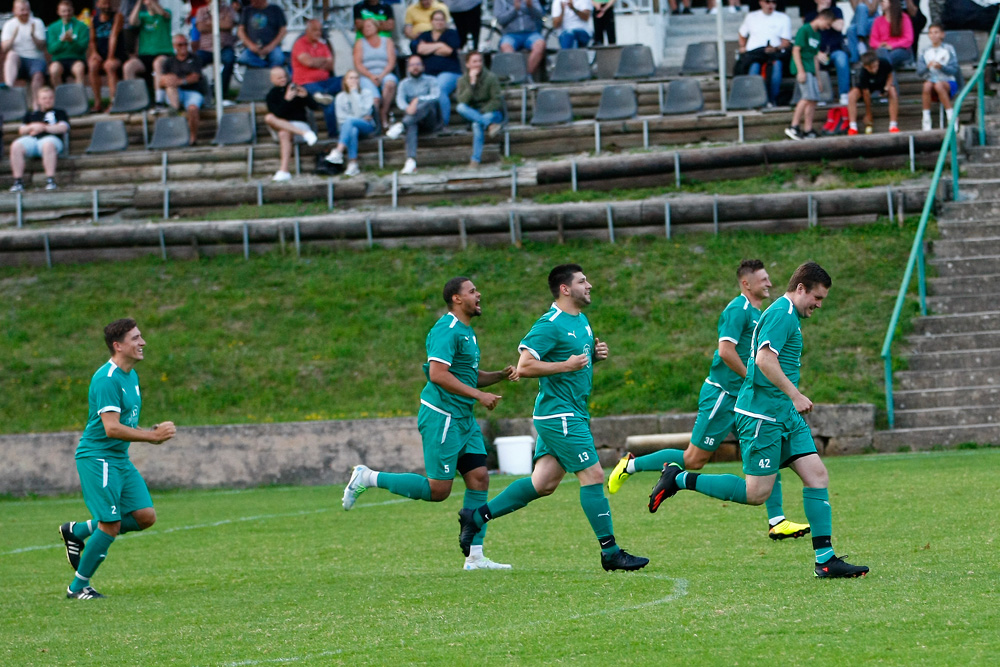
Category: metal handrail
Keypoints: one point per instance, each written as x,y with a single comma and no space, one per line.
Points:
916,260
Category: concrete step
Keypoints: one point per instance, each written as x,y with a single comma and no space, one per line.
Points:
983,153
960,285
949,416
906,439
942,360
974,189
949,378
957,324
967,247
949,397
977,209
952,304
982,170
968,341
965,266
957,230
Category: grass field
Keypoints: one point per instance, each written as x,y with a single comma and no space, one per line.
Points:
284,576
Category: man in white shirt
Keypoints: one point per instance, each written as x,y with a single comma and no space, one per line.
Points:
573,16
23,40
765,37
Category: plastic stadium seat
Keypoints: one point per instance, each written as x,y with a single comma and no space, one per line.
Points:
617,103
636,61
701,58
510,67
571,65
825,95
130,96
552,106
965,45
13,104
747,91
234,128
256,85
109,137
682,96
72,98
606,59
170,132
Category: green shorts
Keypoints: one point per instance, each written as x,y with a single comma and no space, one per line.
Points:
767,446
716,418
447,439
112,488
568,439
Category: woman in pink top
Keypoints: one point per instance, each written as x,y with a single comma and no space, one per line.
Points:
892,34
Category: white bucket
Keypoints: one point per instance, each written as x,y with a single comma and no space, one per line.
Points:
514,454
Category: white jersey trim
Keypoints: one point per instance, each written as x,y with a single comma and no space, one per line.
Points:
111,370
521,348
558,416
454,321
718,402
439,360
754,415
791,306
731,340
557,313
447,420
109,408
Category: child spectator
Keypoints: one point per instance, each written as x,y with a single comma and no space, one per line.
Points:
805,56
938,67
876,76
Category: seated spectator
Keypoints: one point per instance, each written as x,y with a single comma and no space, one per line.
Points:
876,76
262,27
40,137
765,36
377,11
480,103
573,16
312,68
677,8
417,97
604,23
355,107
227,40
375,62
938,67
154,44
286,117
418,17
468,18
892,35
439,49
107,50
733,8
806,56
130,33
865,12
832,44
181,79
67,40
521,21
23,40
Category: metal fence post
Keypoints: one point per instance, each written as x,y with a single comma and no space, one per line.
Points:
666,217
611,224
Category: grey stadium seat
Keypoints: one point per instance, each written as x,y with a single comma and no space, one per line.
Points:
701,58
256,85
552,107
606,59
234,128
747,91
571,65
617,103
510,67
636,62
682,96
13,104
825,95
170,132
72,98
132,96
109,137
965,45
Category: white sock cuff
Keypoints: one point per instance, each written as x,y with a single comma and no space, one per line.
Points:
476,551
630,467
776,520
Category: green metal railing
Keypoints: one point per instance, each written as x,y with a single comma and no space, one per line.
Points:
916,260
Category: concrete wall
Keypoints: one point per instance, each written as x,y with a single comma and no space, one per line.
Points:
323,452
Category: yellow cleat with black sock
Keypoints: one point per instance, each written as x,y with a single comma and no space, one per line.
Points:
786,529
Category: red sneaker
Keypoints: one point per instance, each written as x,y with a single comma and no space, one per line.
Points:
893,130
851,131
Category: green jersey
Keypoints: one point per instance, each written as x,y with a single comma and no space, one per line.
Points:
454,344
154,34
736,325
779,330
111,390
73,49
556,337
807,39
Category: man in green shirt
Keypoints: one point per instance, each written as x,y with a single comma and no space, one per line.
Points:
805,54
452,439
67,41
113,489
155,45
772,432
560,350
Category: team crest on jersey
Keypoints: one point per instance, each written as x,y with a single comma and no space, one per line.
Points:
586,351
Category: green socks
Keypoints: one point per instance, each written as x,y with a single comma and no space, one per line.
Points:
472,500
91,558
775,512
84,529
514,497
723,487
820,517
406,484
598,511
656,460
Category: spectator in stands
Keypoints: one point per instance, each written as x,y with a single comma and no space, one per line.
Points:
39,137
107,50
733,8
439,49
892,35
286,117
678,9
355,107
375,62
604,22
67,40
417,97
468,18
154,44
865,12
938,67
227,40
765,36
806,58
479,102
418,17
573,16
262,27
312,68
876,76
521,21
832,44
23,40
181,79
917,19
378,11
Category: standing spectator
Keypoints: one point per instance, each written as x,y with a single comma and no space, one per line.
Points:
479,102
67,41
377,11
604,22
227,40
355,106
312,68
107,50
573,16
418,17
832,44
521,21
154,44
765,35
917,19
865,12
876,76
130,33
468,18
892,35
375,62
286,117
39,137
181,79
262,27
417,97
938,67
439,49
806,56
23,40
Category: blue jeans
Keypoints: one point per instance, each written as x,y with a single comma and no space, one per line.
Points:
351,130
228,56
773,78
860,28
896,57
448,81
841,64
574,39
480,121
331,86
275,58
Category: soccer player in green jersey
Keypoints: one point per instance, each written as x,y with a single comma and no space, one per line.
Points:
560,350
716,418
452,439
772,432
113,489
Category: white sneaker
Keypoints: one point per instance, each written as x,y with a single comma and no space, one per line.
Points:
713,11
843,100
732,10
335,157
352,169
483,563
355,487
926,125
395,131
323,98
281,176
409,167
310,137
